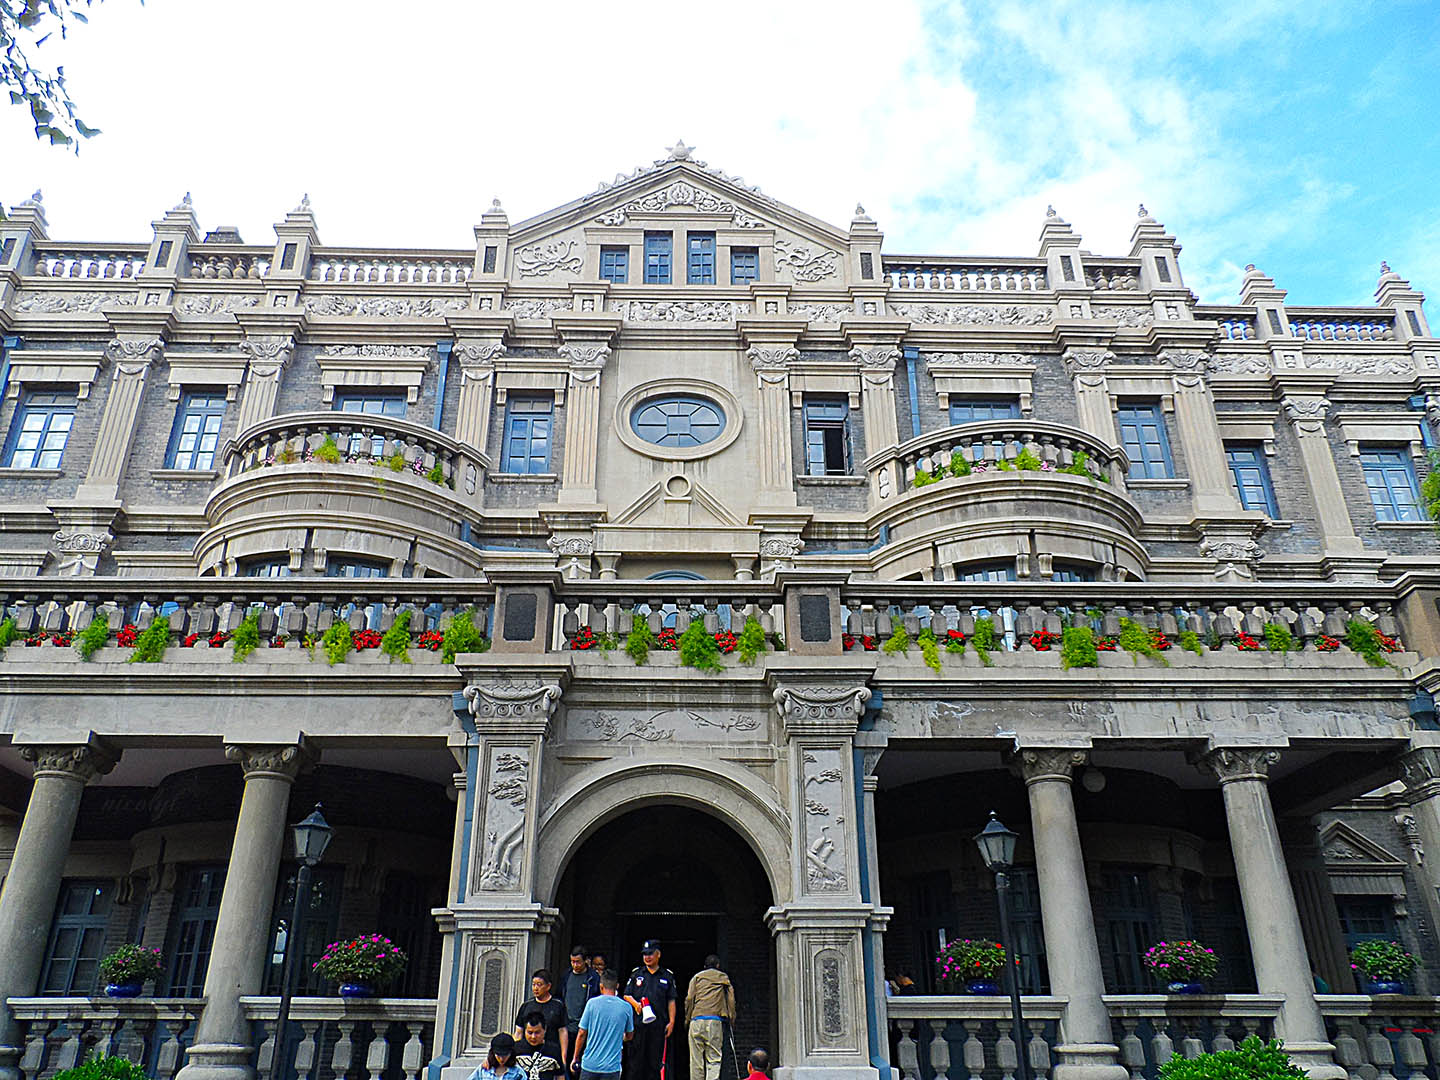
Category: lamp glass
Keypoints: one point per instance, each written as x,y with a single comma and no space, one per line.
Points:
997,845
312,837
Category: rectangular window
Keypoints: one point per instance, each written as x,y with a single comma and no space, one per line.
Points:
277,567
356,568
702,259
373,404
1414,319
615,264
867,266
657,258
77,938
1067,267
197,431
744,265
1125,902
965,410
1366,918
1390,477
40,429
287,257
1251,476
1162,268
529,422
1274,315
488,264
162,257
1142,433
192,930
827,437
1025,924
986,571
1068,571
318,922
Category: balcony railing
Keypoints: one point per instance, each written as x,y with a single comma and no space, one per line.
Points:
385,444
1022,447
970,1036
90,261
979,275
373,268
58,1033
389,1038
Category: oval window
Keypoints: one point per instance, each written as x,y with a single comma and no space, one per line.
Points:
678,422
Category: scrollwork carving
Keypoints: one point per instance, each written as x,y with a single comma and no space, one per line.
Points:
805,263
132,355
479,352
268,356
534,701
571,545
876,356
1186,359
585,354
781,547
770,358
829,705
948,360
1086,360
1229,764
1307,414
280,762
548,258
1044,763
83,762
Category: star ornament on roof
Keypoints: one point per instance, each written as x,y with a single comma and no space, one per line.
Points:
680,152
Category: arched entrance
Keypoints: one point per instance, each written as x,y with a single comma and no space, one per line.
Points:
681,875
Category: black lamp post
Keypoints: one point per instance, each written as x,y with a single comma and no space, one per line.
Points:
312,837
997,848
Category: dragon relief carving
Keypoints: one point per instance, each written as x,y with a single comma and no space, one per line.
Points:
805,263
936,361
382,307
549,258
56,303
975,314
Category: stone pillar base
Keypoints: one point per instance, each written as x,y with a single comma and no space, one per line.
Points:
1088,1061
1317,1059
218,1061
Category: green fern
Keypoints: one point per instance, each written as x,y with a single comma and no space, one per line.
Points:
152,642
1364,640
93,638
337,642
923,478
751,642
246,638
984,639
1190,642
1027,460
898,641
639,641
1077,648
959,466
462,636
1278,638
8,633
328,451
929,649
698,648
1135,639
396,641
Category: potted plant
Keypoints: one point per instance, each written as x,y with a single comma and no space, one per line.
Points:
975,962
1252,1059
128,968
1182,965
362,965
1385,964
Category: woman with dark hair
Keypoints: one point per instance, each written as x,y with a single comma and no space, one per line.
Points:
500,1062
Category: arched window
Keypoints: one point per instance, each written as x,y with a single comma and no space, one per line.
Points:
678,421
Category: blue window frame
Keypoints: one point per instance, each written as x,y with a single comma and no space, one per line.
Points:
356,568
1071,571
827,437
657,258
372,404
680,422
964,410
1251,476
615,264
1142,433
277,566
986,571
529,422
701,266
744,265
1390,476
77,938
193,929
197,431
40,430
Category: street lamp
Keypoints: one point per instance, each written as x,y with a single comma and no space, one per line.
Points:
312,837
997,848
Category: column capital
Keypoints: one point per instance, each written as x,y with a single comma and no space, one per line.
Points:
133,356
522,707
821,710
1419,771
476,354
1081,361
1230,763
280,762
83,762
771,359
1307,414
268,356
1191,360
587,359
1034,763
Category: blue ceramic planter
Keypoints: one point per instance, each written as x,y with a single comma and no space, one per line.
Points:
1185,988
356,990
123,990
982,987
1379,986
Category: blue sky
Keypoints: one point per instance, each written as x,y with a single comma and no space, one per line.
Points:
1300,137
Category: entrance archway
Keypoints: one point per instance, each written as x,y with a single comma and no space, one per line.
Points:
683,876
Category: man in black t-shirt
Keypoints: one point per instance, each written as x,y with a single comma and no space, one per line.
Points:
537,1056
551,1008
652,985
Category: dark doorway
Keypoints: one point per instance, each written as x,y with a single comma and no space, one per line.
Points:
685,878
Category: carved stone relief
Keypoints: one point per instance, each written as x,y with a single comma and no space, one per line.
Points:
384,307
804,263
55,303
620,726
823,797
507,795
1125,316
412,351
679,311
557,257
77,554
823,313
1240,364
976,314
950,360
215,303
537,309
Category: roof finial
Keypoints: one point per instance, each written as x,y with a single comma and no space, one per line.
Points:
680,152
859,210
35,199
1384,267
304,207
1249,267
495,207
1143,211
185,203
1050,211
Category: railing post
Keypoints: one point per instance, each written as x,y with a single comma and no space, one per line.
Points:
524,610
812,612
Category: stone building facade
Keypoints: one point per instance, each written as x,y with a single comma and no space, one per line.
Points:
678,399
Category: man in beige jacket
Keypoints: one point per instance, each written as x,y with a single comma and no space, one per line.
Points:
709,1004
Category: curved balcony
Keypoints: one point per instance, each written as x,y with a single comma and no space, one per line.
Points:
372,487
990,489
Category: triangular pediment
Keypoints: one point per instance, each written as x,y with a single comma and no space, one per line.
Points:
677,186
660,506
1342,847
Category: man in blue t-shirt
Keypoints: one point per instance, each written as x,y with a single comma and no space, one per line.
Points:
605,1027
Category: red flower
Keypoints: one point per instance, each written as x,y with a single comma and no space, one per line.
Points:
1043,640
865,641
1245,643
726,641
189,642
126,635
584,639
434,640
1107,644
667,640
1326,643
366,639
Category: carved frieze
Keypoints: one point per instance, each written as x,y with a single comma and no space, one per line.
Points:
822,313
624,726
1235,555
679,311
950,360
804,263
538,309
540,259
216,303
682,194
976,314
781,547
571,545
268,356
374,350
1240,364
1186,359
1124,315
384,307
55,303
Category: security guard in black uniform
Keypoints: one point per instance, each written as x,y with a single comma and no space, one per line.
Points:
653,985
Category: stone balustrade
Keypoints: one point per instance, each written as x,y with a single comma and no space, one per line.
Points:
1386,1037
1238,328
612,607
1340,328
929,273
57,1033
993,446
1121,277
418,268
375,1038
229,264
114,261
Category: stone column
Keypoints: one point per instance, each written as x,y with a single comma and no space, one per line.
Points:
1210,484
495,928
877,387
872,745
819,955
268,358
1420,771
32,885
1272,919
1307,417
133,361
582,420
1092,396
1086,1050
774,454
223,1040
1315,903
477,391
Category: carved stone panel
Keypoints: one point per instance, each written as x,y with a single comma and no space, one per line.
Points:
502,847
662,727
823,805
